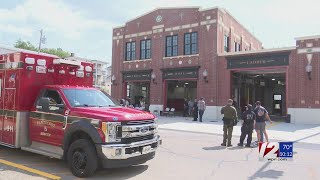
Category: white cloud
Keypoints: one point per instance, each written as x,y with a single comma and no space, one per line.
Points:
293,12
9,28
54,16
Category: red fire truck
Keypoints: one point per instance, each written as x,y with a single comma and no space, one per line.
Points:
48,106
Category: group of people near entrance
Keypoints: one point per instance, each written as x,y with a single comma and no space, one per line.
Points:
252,119
195,108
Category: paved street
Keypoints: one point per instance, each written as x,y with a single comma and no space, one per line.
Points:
185,155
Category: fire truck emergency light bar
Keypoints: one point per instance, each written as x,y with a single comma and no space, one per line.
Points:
66,61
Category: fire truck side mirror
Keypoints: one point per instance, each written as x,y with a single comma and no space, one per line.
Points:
44,104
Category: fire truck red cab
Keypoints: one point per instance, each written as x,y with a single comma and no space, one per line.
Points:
48,106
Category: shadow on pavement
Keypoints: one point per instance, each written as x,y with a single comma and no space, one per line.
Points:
120,173
236,148
288,127
261,173
216,148
272,174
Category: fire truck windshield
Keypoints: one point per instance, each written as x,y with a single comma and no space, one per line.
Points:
88,98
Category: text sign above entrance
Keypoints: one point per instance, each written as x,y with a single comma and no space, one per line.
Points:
138,75
257,61
180,73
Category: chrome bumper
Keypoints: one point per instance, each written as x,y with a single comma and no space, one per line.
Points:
125,151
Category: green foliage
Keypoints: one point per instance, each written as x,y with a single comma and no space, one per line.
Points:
28,46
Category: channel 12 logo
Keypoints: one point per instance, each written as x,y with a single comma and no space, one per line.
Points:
275,151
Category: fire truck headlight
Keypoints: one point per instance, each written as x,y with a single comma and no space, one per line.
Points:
110,131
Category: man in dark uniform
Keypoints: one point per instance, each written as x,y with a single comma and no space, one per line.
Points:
195,110
249,120
229,120
185,108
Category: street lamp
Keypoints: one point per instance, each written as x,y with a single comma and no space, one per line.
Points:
205,75
309,67
153,77
113,80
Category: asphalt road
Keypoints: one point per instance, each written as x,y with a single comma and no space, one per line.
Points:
184,156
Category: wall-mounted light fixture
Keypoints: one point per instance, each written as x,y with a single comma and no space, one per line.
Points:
113,80
309,67
153,77
309,70
205,75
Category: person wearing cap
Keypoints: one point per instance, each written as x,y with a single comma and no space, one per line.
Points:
261,117
249,120
230,119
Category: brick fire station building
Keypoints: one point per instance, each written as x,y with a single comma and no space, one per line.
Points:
172,54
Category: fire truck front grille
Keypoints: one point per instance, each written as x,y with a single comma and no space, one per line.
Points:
135,131
137,122
136,139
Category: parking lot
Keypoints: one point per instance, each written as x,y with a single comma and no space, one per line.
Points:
183,155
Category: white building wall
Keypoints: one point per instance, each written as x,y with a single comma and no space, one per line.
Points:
304,115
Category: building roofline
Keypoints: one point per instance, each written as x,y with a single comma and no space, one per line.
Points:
99,61
162,8
14,50
226,11
207,9
118,27
307,37
156,9
258,51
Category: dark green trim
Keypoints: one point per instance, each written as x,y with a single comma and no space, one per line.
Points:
258,61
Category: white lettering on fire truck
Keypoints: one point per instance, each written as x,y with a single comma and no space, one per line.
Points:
8,128
45,134
46,123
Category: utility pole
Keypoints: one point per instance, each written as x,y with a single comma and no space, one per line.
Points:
42,40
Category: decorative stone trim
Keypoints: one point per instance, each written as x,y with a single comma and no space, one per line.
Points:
117,37
135,61
183,56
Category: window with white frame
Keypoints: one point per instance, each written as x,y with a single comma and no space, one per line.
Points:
145,49
226,43
130,51
190,43
172,46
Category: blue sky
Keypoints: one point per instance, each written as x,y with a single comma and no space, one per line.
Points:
85,27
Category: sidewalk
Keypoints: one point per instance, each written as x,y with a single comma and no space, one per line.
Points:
278,130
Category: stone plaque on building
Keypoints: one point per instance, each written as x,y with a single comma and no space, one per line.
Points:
136,75
180,73
257,61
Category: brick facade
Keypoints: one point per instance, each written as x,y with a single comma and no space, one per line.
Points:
177,21
211,25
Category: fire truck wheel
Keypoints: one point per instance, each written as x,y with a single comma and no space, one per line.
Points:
82,158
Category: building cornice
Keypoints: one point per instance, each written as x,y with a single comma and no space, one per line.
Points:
257,51
307,38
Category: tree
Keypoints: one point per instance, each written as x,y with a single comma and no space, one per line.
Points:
28,46
25,45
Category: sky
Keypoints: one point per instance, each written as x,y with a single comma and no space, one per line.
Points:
85,27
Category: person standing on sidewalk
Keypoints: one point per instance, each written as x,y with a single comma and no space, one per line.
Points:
249,120
190,105
202,108
185,108
195,110
261,117
230,118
